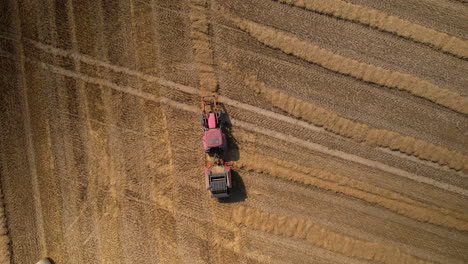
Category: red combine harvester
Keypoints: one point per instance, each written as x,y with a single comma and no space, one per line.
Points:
218,174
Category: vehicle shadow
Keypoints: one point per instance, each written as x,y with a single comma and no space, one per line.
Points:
233,153
238,192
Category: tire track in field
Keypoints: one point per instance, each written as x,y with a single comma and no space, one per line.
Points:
251,127
64,34
201,42
357,131
305,50
99,141
320,236
339,184
110,240
20,65
380,20
167,247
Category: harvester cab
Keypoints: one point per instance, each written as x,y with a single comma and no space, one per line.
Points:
212,120
218,179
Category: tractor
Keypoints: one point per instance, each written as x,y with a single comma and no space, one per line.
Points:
212,121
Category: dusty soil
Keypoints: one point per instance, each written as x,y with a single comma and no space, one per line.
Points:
349,139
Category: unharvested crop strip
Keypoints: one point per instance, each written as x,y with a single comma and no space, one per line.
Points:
203,54
320,236
357,131
339,184
305,50
382,21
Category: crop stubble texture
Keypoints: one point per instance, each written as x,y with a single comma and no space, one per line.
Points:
113,164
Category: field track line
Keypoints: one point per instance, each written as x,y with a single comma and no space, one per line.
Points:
89,60
101,46
167,244
281,136
84,119
320,236
20,62
201,43
305,50
380,20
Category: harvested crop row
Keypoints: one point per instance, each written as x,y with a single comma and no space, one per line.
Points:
320,179
4,237
357,131
320,236
203,54
380,20
305,50
354,184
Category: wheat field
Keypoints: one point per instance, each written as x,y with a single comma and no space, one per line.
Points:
348,139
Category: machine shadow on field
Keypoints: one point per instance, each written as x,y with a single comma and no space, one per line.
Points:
238,192
233,149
